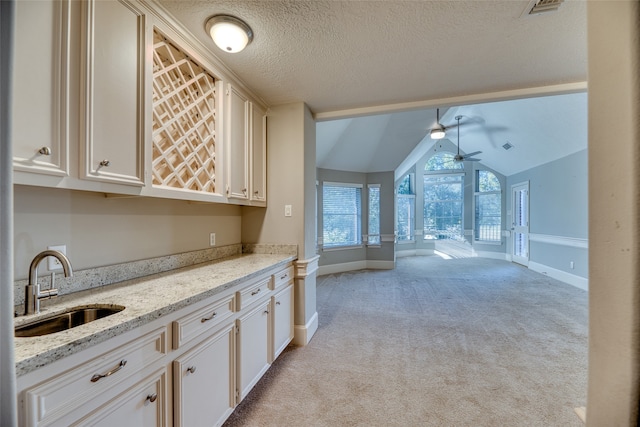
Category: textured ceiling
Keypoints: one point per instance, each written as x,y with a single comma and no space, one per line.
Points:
343,54
340,55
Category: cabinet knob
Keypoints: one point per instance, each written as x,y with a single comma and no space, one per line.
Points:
105,163
191,369
256,192
152,397
45,151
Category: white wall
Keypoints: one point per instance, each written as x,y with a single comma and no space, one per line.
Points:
102,231
614,213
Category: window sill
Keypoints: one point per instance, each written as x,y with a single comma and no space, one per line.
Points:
341,248
488,242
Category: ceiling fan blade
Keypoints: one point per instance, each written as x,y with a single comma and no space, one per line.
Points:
472,154
472,159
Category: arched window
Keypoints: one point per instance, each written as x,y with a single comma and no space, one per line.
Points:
488,215
443,197
442,161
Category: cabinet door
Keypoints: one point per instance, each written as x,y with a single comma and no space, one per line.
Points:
113,126
238,128
142,405
40,88
204,382
253,347
258,156
282,320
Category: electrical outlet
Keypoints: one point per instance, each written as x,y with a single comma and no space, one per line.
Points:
212,239
53,264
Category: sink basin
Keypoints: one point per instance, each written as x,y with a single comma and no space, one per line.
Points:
69,319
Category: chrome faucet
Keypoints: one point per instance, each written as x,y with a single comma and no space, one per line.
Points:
32,293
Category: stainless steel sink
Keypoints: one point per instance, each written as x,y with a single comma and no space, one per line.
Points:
69,319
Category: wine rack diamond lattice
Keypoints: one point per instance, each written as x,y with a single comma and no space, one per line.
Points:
184,120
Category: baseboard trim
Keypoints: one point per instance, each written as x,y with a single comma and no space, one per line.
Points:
302,334
563,276
355,265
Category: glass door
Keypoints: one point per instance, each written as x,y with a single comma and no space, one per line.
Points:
520,224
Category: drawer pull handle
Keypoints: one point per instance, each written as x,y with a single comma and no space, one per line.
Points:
152,397
266,312
204,319
45,151
105,163
98,377
284,276
191,369
255,292
277,302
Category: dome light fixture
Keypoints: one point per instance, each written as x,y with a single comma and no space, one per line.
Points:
229,33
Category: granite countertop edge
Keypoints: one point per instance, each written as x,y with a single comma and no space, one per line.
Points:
146,299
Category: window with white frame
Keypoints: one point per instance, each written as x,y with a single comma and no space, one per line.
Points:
373,233
405,209
488,212
341,214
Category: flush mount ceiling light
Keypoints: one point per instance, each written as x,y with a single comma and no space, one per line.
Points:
229,33
438,131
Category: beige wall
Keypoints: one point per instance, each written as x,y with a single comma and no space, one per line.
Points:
291,169
101,231
614,212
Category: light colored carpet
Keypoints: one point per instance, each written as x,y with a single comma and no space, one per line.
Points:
460,342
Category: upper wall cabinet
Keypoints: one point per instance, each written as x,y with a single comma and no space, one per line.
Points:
185,128
40,88
239,112
113,84
258,170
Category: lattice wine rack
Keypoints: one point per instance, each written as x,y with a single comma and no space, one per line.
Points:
184,120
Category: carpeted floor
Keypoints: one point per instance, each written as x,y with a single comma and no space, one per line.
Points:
460,342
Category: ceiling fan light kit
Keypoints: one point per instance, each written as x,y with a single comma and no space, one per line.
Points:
438,131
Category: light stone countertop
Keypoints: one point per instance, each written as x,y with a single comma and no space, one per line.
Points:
146,299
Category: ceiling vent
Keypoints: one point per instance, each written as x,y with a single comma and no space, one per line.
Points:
536,7
507,146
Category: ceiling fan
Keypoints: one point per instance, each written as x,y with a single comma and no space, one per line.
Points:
464,157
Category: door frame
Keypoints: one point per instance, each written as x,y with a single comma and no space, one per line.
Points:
520,229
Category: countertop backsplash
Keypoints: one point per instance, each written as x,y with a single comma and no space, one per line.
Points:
102,276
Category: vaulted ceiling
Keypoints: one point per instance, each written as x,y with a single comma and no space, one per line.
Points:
380,68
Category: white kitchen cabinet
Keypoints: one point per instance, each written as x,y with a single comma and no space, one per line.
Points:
258,169
282,306
95,387
204,381
142,405
238,128
113,76
253,347
40,104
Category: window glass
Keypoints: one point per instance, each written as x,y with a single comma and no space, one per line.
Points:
488,209
374,215
442,161
341,215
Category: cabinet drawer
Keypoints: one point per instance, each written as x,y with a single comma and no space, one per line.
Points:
253,293
189,327
89,385
282,277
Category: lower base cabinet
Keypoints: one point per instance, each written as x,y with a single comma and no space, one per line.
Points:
143,405
204,387
190,368
253,347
